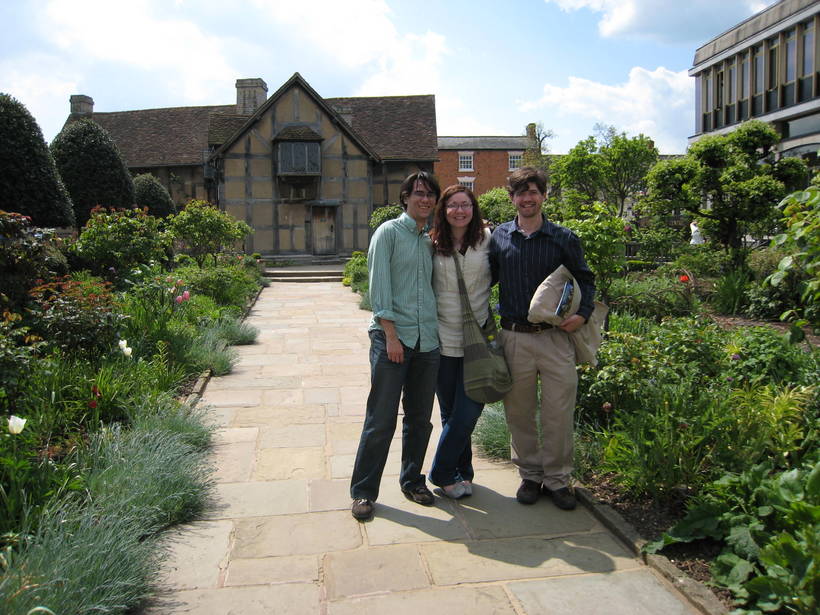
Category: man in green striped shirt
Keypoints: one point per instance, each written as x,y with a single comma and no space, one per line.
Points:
404,352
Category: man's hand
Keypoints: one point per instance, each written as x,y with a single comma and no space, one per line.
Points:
395,350
573,323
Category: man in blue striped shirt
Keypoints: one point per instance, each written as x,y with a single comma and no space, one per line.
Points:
404,353
523,252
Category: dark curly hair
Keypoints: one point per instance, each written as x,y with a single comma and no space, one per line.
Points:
442,234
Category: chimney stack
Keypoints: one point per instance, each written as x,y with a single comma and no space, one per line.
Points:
81,104
250,94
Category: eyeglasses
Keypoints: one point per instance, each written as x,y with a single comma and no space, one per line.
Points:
455,206
420,194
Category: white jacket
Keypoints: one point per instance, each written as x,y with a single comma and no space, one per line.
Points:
475,267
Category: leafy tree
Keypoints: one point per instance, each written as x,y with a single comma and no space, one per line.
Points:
29,182
381,215
496,205
92,168
611,166
205,231
537,155
149,192
729,182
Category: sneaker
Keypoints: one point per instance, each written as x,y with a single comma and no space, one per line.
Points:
528,492
468,487
455,491
362,509
420,495
563,498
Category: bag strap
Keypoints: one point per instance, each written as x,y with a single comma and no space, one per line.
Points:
466,308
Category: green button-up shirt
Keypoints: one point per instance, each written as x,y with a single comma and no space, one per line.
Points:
400,264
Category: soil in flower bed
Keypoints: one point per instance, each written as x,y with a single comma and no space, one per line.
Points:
651,519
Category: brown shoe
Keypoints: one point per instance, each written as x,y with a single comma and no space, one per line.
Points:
362,509
528,492
563,498
420,495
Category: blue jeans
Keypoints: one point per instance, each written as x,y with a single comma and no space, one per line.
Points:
453,461
416,378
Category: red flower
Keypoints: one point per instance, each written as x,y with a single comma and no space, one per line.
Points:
684,278
95,390
92,403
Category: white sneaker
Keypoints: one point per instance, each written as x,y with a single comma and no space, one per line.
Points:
468,487
454,491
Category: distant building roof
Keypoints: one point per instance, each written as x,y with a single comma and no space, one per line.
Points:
160,137
397,127
471,143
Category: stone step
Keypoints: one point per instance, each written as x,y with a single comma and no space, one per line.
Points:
322,278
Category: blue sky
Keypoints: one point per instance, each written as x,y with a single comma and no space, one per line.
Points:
493,66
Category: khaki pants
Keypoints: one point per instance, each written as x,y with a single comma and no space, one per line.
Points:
549,355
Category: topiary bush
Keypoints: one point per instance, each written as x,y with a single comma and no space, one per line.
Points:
151,194
497,206
29,183
92,168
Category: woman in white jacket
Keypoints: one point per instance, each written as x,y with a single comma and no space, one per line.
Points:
458,233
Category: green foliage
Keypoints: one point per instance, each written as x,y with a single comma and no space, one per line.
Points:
496,206
150,193
356,274
652,296
18,351
763,354
729,296
768,522
491,434
603,239
115,241
729,182
611,166
658,242
801,217
226,284
92,169
27,253
205,231
29,184
76,317
381,215
703,261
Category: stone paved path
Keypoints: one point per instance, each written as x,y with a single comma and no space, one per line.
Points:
280,538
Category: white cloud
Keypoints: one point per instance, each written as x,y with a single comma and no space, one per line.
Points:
671,21
139,35
656,103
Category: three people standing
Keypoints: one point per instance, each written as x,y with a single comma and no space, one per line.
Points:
409,321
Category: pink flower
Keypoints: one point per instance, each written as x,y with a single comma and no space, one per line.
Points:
178,299
186,295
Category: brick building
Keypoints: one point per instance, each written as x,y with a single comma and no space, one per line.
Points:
480,163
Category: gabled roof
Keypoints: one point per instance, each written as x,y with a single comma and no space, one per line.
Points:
398,127
296,81
386,127
472,143
160,137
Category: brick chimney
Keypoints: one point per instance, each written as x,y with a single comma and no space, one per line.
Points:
250,94
81,105
531,131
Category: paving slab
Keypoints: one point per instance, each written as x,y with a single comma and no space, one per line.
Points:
520,558
286,463
329,495
630,592
298,435
289,599
258,499
233,461
198,554
306,534
485,600
380,569
265,570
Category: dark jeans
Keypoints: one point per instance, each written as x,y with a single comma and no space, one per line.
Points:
416,378
453,461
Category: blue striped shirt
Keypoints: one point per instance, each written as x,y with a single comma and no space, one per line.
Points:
400,264
520,263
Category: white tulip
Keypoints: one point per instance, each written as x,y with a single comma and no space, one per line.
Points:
16,424
127,351
123,344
